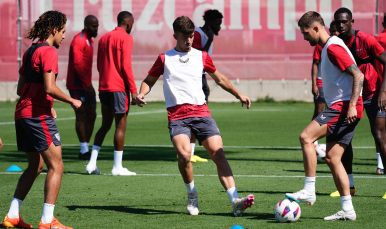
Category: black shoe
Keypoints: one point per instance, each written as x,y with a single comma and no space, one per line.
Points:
380,171
85,156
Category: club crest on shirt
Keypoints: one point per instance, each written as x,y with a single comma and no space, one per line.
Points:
184,61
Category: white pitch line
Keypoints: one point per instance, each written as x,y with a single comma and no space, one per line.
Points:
203,175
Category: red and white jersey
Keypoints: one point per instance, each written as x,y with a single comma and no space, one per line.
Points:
182,77
200,40
335,59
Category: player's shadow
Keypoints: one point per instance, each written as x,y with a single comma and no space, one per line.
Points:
265,160
125,209
269,217
262,192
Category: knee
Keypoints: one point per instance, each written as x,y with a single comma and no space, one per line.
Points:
91,115
184,158
304,138
218,156
379,135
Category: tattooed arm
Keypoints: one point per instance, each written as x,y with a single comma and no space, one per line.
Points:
358,77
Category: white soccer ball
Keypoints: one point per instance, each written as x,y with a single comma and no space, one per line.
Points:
321,152
287,211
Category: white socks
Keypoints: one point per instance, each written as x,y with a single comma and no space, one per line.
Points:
346,203
83,147
232,194
351,179
190,187
118,159
193,146
94,154
15,208
309,184
379,159
48,213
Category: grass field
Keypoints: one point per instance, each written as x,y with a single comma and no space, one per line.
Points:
261,145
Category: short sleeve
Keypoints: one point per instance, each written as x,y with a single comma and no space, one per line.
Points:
49,60
197,40
373,46
22,68
339,57
158,67
317,52
208,63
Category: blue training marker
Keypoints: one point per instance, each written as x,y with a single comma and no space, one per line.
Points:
237,227
14,168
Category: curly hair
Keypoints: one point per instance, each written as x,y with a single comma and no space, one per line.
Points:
212,15
46,23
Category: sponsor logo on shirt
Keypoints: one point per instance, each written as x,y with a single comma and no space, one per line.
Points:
184,61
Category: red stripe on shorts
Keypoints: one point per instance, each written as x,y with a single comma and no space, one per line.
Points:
126,102
46,130
319,83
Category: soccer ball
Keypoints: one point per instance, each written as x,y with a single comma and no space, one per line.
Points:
287,211
321,152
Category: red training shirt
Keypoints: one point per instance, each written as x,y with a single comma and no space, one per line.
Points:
80,62
317,55
114,62
381,38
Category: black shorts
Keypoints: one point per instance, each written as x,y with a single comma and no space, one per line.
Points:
337,125
83,96
202,128
205,87
118,101
371,108
36,134
320,99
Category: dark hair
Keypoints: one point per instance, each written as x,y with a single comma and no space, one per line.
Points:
309,18
89,18
333,23
343,10
184,25
46,23
212,14
122,16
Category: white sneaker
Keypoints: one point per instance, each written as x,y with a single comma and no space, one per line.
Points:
92,169
342,215
122,172
302,196
240,204
192,205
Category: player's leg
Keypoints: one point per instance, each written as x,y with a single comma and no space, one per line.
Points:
335,151
378,131
195,158
26,180
91,117
319,105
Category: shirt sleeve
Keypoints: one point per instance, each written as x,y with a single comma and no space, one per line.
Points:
197,40
80,62
339,57
208,63
127,69
373,46
49,60
317,52
158,67
22,68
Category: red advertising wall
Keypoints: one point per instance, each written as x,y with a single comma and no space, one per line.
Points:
259,38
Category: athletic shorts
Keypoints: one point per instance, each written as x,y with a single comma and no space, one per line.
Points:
371,107
202,128
36,134
320,99
205,87
82,95
337,125
118,101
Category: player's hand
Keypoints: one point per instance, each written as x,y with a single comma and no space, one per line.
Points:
245,100
315,91
133,96
140,100
76,104
1,144
53,113
382,101
91,91
209,33
351,114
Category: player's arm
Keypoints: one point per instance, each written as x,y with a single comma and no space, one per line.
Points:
314,74
127,69
20,84
53,90
223,82
358,78
146,86
382,94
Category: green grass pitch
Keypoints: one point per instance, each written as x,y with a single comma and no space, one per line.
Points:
261,145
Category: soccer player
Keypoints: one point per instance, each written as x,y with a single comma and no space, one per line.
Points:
317,84
36,130
203,40
188,112
116,82
365,48
342,84
79,83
